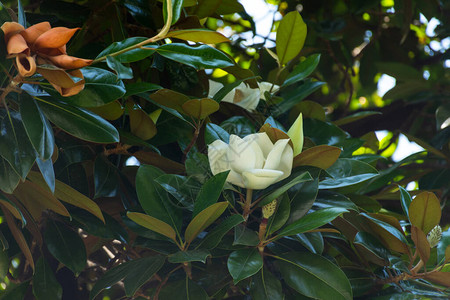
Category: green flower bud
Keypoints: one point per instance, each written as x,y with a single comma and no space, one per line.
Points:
269,209
434,236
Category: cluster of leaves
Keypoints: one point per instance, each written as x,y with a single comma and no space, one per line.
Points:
77,218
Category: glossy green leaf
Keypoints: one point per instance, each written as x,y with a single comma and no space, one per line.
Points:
21,14
188,256
210,192
425,211
200,108
122,72
326,199
141,125
215,132
177,7
405,200
184,189
153,224
128,56
291,35
312,221
198,57
313,241
9,179
244,263
37,127
281,214
140,87
79,122
47,171
15,146
296,95
370,243
182,290
133,274
203,219
355,117
45,285
302,70
206,8
154,199
265,286
170,99
347,172
302,199
314,276
305,176
245,236
214,237
105,178
66,246
198,35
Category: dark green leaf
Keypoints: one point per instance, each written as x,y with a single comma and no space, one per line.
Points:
140,87
369,242
405,200
129,56
389,228
15,292
154,199
244,263
9,179
280,216
106,180
312,221
184,189
347,172
182,290
305,176
298,94
37,127
66,246
177,7
133,273
215,132
15,146
21,14
302,199
122,71
214,237
302,70
188,256
210,192
313,241
314,276
245,236
45,285
79,122
203,219
326,199
265,286
198,57
47,171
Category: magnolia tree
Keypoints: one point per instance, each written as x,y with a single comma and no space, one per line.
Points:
149,151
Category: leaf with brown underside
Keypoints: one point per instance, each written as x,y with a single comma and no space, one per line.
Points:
442,278
322,156
420,240
425,211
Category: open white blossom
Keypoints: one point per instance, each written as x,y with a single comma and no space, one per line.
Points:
254,161
243,95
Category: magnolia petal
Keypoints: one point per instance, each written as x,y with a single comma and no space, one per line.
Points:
264,143
246,97
26,65
11,28
33,32
259,155
241,154
217,156
69,62
268,87
274,157
258,179
17,44
287,159
62,81
54,38
214,87
296,134
235,178
73,90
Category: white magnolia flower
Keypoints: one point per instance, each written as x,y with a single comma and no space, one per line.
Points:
243,95
254,161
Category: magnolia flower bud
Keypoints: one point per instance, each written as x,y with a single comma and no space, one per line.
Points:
434,236
269,209
254,161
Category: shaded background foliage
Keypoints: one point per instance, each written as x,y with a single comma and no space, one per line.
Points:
357,41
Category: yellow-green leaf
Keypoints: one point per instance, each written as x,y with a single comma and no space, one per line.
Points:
153,224
141,125
111,111
291,35
198,35
200,108
425,211
420,240
204,218
311,109
322,156
170,99
14,211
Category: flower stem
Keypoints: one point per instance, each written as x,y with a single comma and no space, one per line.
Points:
161,35
248,204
